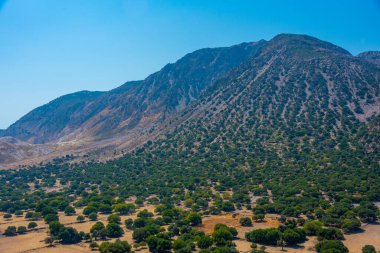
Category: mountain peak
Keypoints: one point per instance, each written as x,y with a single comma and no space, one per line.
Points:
371,56
300,42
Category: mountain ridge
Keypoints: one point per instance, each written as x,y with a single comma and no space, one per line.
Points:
287,78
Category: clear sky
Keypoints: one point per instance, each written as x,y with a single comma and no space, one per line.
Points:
49,48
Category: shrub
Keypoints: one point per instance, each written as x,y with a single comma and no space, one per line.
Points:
114,230
194,219
245,222
312,227
264,236
113,218
10,231
32,225
115,247
21,229
327,246
368,249
69,210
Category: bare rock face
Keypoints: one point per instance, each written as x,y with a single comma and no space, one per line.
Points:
13,150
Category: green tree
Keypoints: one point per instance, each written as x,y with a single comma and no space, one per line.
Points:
114,230
205,242
245,222
21,229
32,225
10,231
159,244
69,236
368,249
194,219
115,247
69,210
113,218
327,246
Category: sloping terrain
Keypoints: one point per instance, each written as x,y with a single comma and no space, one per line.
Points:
98,115
292,93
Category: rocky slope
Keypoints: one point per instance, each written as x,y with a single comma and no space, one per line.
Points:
134,106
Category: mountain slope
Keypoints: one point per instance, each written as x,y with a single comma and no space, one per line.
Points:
372,56
298,94
133,107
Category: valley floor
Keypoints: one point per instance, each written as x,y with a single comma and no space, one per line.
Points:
33,241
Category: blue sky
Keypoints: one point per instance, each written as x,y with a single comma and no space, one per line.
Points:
49,48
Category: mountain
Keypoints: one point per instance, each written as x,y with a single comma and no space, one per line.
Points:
132,107
372,56
271,99
297,94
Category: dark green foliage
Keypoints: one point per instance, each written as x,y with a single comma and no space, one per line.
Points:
10,231
50,218
115,247
113,218
114,230
245,221
293,236
205,242
268,236
368,249
328,246
194,219
159,244
69,235
32,225
69,210
21,229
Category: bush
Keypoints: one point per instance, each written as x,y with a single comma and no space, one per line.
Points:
194,219
245,222
258,217
69,236
10,231
228,206
28,215
114,230
69,210
113,218
327,246
51,217
312,227
124,208
204,242
80,218
293,236
223,235
351,225
368,249
21,229
90,209
268,236
129,223
32,225
159,243
92,216
329,234
7,216
115,247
